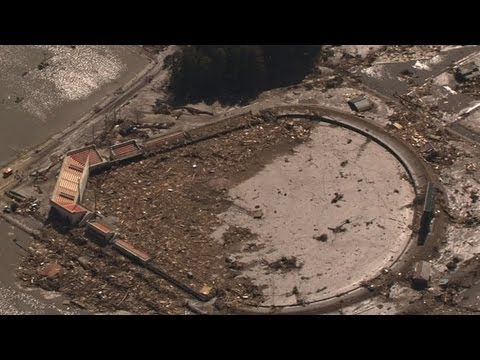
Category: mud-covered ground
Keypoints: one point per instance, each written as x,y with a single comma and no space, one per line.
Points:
166,205
415,97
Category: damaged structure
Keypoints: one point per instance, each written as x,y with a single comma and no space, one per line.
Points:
421,274
69,190
427,214
72,179
99,232
70,187
126,150
71,183
360,104
467,71
130,251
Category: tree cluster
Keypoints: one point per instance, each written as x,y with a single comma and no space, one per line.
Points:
236,73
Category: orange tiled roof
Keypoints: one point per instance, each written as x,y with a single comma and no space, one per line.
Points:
102,228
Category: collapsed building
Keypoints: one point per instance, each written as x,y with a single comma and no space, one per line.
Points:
68,193
73,176
126,150
467,71
360,104
71,183
99,232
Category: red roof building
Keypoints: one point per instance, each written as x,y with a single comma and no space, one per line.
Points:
125,150
89,152
72,181
129,250
100,232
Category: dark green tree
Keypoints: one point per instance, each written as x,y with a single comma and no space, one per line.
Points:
234,73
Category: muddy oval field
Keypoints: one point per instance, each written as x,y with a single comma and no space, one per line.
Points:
308,212
334,213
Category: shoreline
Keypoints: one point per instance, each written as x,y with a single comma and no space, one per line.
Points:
54,97
37,156
107,103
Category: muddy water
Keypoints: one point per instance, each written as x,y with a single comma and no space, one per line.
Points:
42,90
34,103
